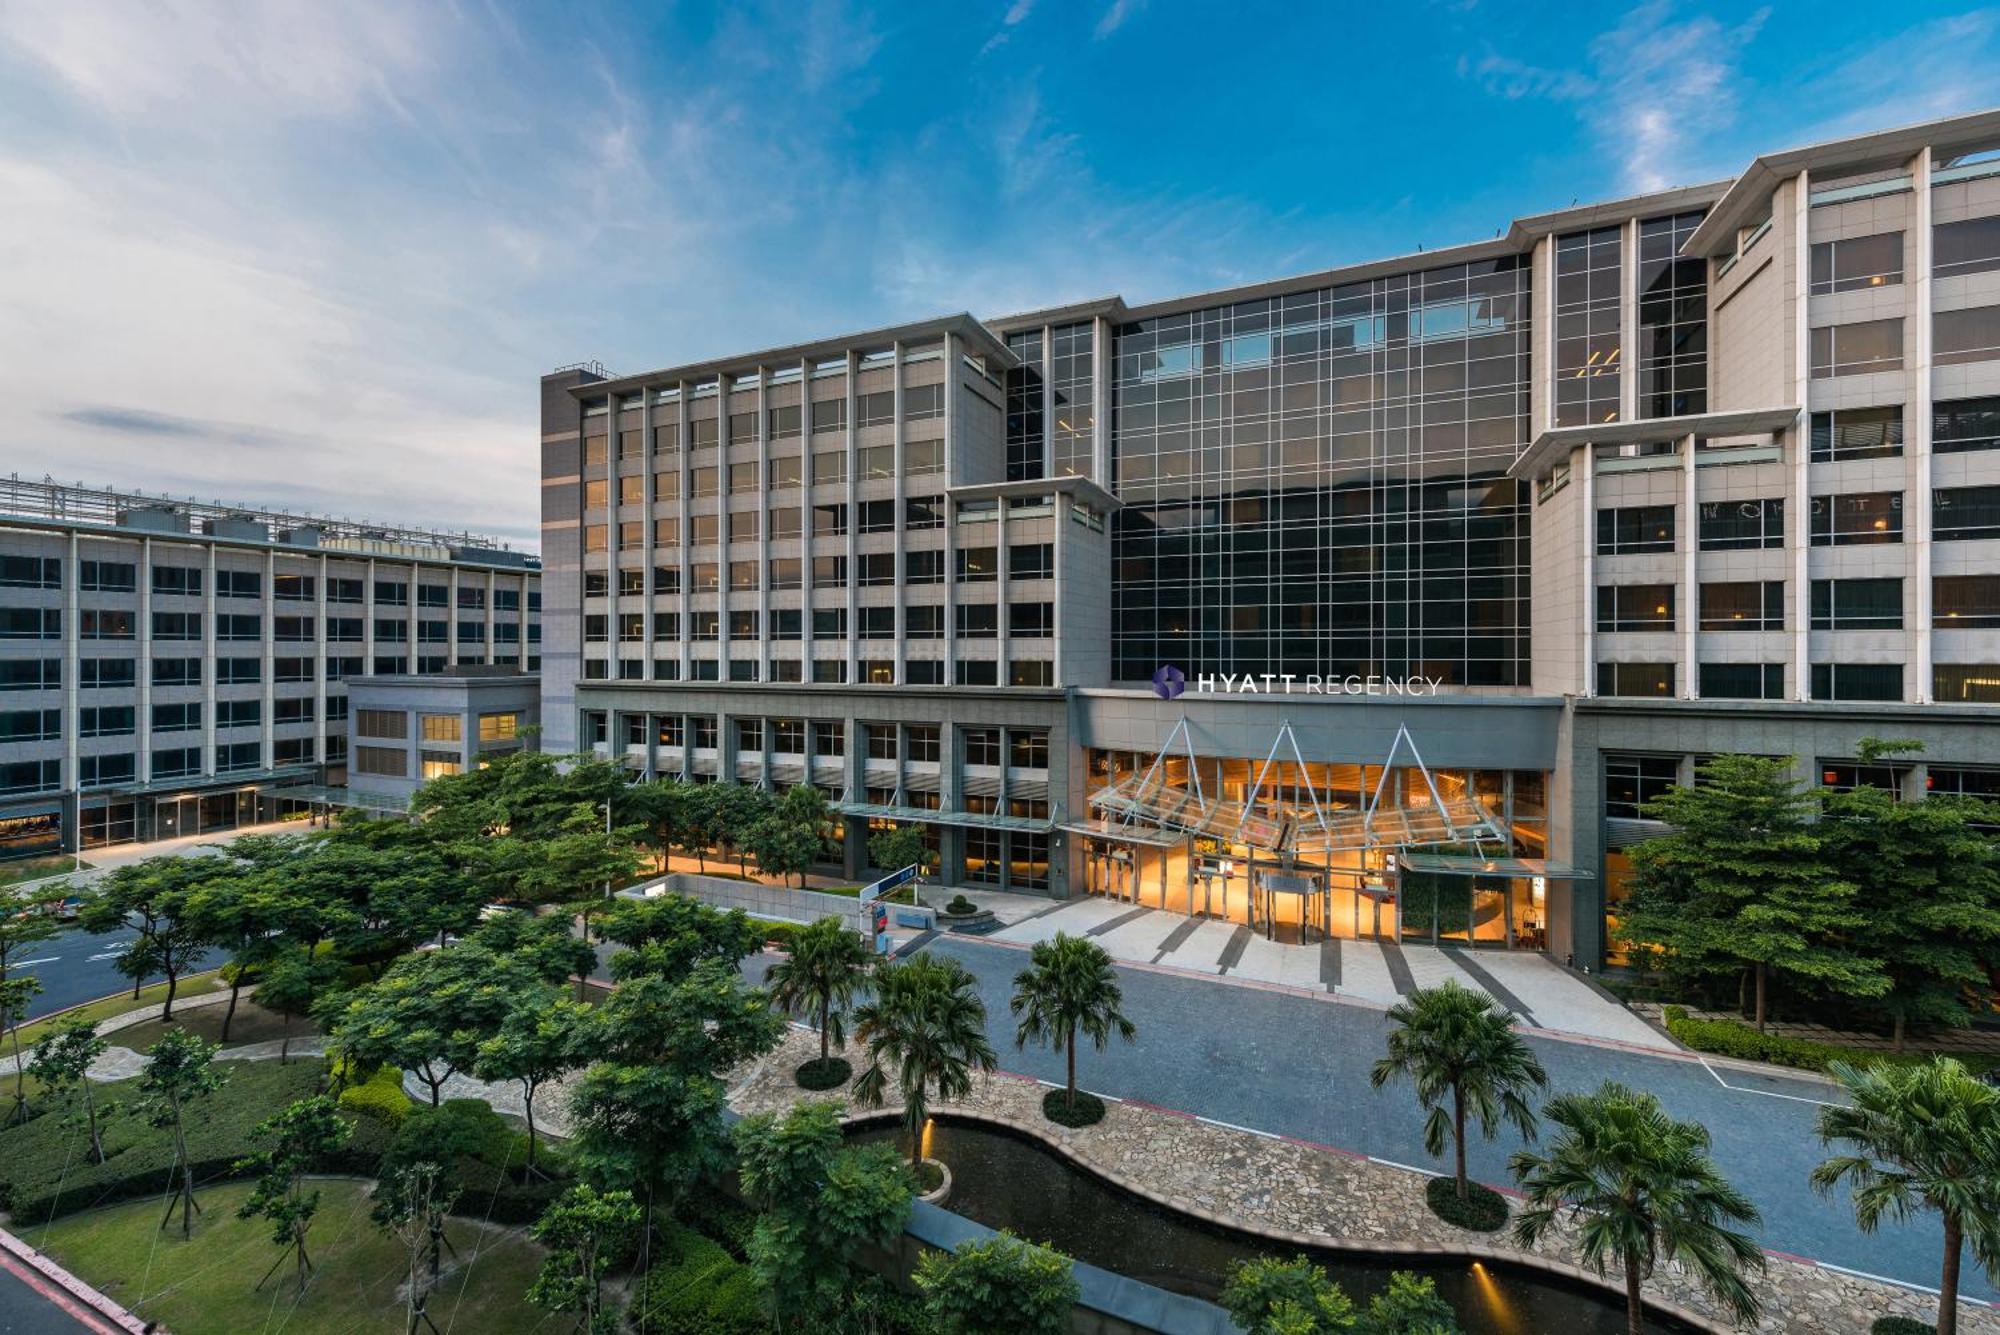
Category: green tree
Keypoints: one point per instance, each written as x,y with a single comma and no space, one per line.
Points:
1928,879
901,846
927,1020
1069,989
659,809
1459,1048
702,816
827,966
739,809
177,1079
449,1138
152,898
1743,883
1922,1138
539,1040
997,1286
16,995
300,1137
668,935
295,987
429,1014
821,1201
578,858
546,943
62,1063
246,914
411,1202
1267,1296
1639,1186
1409,1306
784,849
584,1231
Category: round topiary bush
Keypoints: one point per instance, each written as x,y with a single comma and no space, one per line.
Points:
960,907
1483,1210
1088,1110
1901,1325
827,1074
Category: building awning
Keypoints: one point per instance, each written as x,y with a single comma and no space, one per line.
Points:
195,785
346,797
925,815
1141,835
1465,864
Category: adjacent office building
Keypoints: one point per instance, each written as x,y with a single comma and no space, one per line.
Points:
171,668
1374,601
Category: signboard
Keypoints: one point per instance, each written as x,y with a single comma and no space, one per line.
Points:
894,880
879,921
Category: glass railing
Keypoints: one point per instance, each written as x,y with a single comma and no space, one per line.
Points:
1841,194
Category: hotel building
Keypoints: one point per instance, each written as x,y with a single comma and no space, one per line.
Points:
171,668
1376,601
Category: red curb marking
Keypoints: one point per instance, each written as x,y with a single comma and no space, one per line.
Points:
63,1290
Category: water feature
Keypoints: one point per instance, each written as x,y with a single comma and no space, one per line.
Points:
1004,1180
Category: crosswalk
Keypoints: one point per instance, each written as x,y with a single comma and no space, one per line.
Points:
1539,993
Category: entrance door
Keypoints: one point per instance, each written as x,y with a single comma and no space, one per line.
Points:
176,816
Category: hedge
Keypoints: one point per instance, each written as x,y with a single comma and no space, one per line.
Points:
45,1168
720,1216
1733,1038
697,1288
380,1096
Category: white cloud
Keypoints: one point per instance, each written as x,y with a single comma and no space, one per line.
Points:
1115,17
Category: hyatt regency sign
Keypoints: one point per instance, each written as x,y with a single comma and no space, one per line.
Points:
1169,683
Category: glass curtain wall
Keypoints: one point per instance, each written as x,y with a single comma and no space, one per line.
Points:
1673,319
1315,483
1589,357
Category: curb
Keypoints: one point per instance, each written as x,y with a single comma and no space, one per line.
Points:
99,1305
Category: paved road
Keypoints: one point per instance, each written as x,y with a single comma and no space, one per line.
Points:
1299,1066
29,1305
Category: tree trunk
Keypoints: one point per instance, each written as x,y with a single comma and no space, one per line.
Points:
1458,1136
173,985
1069,1049
1760,996
235,986
825,1005
528,1104
187,1180
1900,1032
90,1117
1947,1322
1742,991
20,1077
1635,1311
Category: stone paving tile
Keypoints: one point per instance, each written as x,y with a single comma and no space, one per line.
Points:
1430,966
1364,972
1140,938
1202,950
1295,1193
1076,919
1562,1002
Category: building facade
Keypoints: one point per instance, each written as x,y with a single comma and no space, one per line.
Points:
1373,601
404,730
171,668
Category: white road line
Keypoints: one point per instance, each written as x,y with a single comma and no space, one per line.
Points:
46,959
1408,1168
1769,1094
1231,1126
107,955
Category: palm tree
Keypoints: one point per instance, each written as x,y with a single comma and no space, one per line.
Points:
1451,1040
1640,1186
827,967
1067,988
1926,1138
926,1019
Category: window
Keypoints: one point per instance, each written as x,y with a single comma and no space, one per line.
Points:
829,572
39,674
1966,683
743,479
30,572
876,516
978,565
392,723
787,623
785,573
1857,349
391,761
829,623
1857,681
978,621
244,714
250,584
1857,604
391,593
921,457
595,537
743,525
107,673
829,414
829,466
705,625
1958,425
1033,560
1642,679
433,595
1588,283
238,671
294,588
783,421
30,623
1965,514
1857,433
829,521
666,625
596,494
177,580
298,709
743,625
1743,681
704,577
1639,528
1728,526
1857,262
982,746
877,569
702,433
31,725
923,567
1027,750
978,673
1631,782
631,627
96,771
1031,621
742,428
983,862
787,471
921,743
177,718
923,401
631,490
1966,602
1971,335
30,776
829,671
102,624
923,672
499,728
1857,518
1969,246
1745,606
923,512
923,623
1637,607
876,461
106,720
879,740
107,576
187,626
876,409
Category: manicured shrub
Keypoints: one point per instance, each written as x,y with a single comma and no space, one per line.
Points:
45,1171
1088,1110
1732,1038
817,1074
780,934
1901,1325
697,1288
714,1212
961,907
380,1096
1483,1210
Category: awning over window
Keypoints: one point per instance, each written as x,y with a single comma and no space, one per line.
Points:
966,819
1459,864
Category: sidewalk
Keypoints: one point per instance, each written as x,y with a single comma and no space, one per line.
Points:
1985,1042
110,858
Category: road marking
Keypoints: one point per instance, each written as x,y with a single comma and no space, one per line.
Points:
1231,1126
1769,1094
107,955
46,959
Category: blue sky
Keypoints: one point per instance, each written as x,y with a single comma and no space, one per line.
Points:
316,255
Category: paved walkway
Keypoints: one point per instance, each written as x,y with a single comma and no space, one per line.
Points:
102,860
1540,993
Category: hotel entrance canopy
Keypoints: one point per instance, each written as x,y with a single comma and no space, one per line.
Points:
1160,808
1453,864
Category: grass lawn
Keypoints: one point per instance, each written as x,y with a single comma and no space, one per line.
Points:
253,1024
207,1285
34,869
154,995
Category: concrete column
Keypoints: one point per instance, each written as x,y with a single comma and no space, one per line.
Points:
647,499
143,672
1798,524
613,512
1628,322
853,510
1048,400
1917,437
1690,597
72,668
1101,372
1586,499
210,668
1003,642
1058,600
764,523
321,632
684,440
902,491
270,673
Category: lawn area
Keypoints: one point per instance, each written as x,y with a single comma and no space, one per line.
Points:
154,995
253,1024
207,1285
34,869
